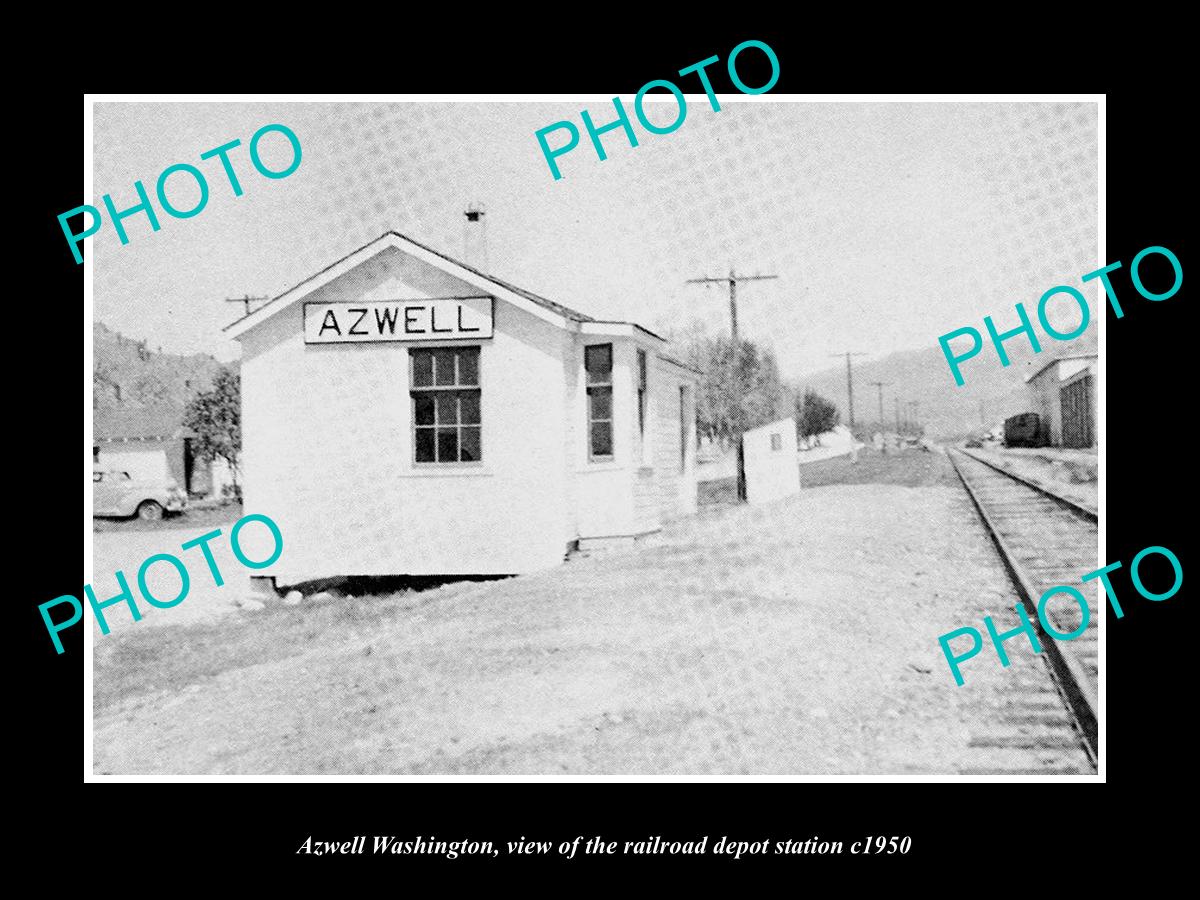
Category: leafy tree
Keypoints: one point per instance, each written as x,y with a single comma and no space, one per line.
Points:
215,416
814,416
735,394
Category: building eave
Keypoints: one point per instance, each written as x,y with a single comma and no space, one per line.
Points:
618,329
560,315
679,364
1058,359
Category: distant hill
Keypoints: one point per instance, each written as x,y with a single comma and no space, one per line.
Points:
990,392
129,374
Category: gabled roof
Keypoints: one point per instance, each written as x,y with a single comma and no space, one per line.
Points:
548,309
138,423
1058,359
565,311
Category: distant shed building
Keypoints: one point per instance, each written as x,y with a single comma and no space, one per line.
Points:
148,442
1064,390
404,413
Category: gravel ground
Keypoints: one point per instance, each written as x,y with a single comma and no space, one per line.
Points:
910,467
124,551
199,515
1071,473
795,638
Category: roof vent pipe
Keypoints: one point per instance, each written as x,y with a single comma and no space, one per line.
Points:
475,237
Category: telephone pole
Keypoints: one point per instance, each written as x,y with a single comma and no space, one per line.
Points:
896,400
732,281
849,385
247,300
881,385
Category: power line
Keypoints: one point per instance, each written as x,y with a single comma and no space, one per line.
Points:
732,280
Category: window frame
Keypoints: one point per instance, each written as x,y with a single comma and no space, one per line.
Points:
611,420
643,379
645,405
684,429
433,390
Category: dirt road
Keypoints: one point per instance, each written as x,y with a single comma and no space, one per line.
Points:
115,550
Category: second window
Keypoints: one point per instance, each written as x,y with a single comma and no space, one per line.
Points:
597,361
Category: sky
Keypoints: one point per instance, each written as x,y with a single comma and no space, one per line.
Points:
888,224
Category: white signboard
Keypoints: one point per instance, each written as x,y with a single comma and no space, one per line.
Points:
443,319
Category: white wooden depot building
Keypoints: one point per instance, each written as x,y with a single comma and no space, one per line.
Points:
405,414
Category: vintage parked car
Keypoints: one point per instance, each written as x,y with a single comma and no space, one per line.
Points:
115,493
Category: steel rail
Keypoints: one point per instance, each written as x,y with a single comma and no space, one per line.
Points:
1073,505
1066,672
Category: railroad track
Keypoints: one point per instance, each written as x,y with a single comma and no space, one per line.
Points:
1085,511
1043,540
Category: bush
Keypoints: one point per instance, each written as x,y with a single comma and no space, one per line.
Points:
815,416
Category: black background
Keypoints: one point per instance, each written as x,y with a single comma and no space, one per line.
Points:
968,833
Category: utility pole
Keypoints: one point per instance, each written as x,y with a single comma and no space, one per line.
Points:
881,385
849,385
247,300
732,281
915,407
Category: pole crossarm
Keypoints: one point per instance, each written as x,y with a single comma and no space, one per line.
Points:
732,280
246,300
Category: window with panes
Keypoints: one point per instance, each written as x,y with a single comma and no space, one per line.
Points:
597,362
445,392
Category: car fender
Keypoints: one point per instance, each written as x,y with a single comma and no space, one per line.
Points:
128,504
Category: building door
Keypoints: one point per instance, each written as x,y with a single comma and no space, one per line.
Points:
1078,430
189,462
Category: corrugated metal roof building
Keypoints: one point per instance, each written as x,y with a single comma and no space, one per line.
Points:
1065,392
